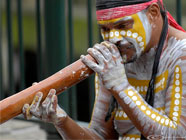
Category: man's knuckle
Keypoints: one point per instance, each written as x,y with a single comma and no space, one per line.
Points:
43,105
32,110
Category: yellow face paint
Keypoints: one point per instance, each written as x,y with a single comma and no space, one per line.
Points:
138,32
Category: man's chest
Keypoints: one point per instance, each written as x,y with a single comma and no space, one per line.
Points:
141,85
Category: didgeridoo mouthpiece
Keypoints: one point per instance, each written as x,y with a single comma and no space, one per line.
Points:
60,81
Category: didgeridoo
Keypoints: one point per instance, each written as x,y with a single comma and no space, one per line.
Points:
60,81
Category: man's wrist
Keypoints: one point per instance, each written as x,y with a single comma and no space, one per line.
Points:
120,88
60,121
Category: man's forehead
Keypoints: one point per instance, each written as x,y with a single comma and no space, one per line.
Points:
115,21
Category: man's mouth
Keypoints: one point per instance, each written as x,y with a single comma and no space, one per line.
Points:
124,46
127,51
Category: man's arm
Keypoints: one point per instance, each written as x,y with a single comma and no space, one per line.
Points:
148,120
101,106
171,123
50,112
98,128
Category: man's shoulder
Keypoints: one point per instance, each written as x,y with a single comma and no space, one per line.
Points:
176,43
175,47
173,54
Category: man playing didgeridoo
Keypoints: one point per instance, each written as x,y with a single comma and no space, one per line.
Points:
140,76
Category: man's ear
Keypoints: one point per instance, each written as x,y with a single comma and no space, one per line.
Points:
153,12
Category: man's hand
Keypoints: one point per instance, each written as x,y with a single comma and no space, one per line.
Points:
48,110
109,66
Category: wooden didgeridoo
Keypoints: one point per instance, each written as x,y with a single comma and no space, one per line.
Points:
65,78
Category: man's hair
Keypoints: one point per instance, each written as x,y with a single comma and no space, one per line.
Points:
105,4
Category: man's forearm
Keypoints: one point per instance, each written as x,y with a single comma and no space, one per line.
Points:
71,130
148,120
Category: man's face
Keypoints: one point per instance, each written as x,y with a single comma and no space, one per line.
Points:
131,34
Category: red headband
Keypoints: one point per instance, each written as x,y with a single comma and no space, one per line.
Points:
117,12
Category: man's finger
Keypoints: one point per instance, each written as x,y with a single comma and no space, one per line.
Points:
95,67
53,105
113,49
34,107
26,112
47,102
35,83
97,55
104,50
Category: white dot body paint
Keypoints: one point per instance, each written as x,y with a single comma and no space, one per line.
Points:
116,33
123,33
135,35
129,33
139,38
177,82
111,34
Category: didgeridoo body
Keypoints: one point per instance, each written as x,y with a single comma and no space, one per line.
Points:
65,78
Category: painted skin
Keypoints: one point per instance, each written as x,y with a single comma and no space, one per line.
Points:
48,111
168,103
130,34
165,119
133,115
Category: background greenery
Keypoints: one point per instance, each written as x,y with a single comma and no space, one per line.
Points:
80,24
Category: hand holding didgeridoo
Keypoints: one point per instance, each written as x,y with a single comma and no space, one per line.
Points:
49,111
60,81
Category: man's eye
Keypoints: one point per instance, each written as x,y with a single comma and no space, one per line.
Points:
128,25
104,29
122,26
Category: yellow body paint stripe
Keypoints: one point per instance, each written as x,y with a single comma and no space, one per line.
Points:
155,116
161,109
103,22
139,29
161,82
175,108
121,115
137,32
142,85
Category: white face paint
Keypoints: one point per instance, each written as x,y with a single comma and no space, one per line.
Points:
134,35
147,26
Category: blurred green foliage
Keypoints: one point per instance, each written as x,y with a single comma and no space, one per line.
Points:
171,7
81,35
80,27
29,30
30,36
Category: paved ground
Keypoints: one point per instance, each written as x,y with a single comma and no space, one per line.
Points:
17,129
21,130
